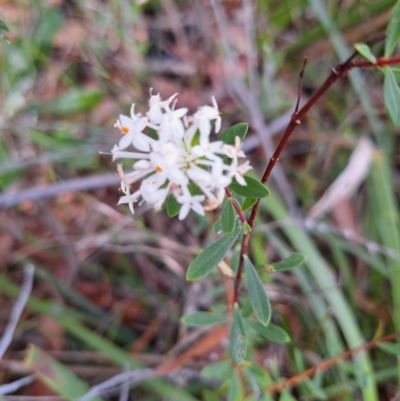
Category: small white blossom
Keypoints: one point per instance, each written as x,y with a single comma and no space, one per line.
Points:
203,119
132,133
190,202
181,156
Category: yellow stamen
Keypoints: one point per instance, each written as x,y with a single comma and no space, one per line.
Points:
124,130
159,169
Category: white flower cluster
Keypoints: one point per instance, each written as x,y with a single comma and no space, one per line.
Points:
177,157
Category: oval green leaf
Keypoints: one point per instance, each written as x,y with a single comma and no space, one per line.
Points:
231,133
75,101
217,226
238,336
393,31
220,370
235,391
228,217
272,332
390,348
173,206
254,188
258,297
391,94
294,260
3,27
365,51
198,319
209,258
248,203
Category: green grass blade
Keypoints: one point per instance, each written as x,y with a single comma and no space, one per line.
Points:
55,375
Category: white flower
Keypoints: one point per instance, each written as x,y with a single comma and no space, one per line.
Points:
208,150
155,107
203,119
181,156
171,125
239,171
152,193
234,151
165,160
190,202
132,131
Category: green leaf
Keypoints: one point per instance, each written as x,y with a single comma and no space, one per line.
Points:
286,396
390,348
258,296
3,27
209,395
203,318
248,203
49,24
209,258
254,188
220,370
391,94
396,73
246,227
271,332
228,217
238,336
75,101
361,375
393,31
231,133
365,51
235,391
55,375
173,206
217,226
257,373
294,260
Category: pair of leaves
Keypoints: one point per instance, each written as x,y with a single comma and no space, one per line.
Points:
270,332
253,191
238,333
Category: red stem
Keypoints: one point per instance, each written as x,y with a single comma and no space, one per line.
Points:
239,211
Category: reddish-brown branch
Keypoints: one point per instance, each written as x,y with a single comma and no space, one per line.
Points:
338,72
236,206
293,381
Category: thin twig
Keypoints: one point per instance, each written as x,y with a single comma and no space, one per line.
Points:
74,185
323,366
124,395
16,312
16,385
132,377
